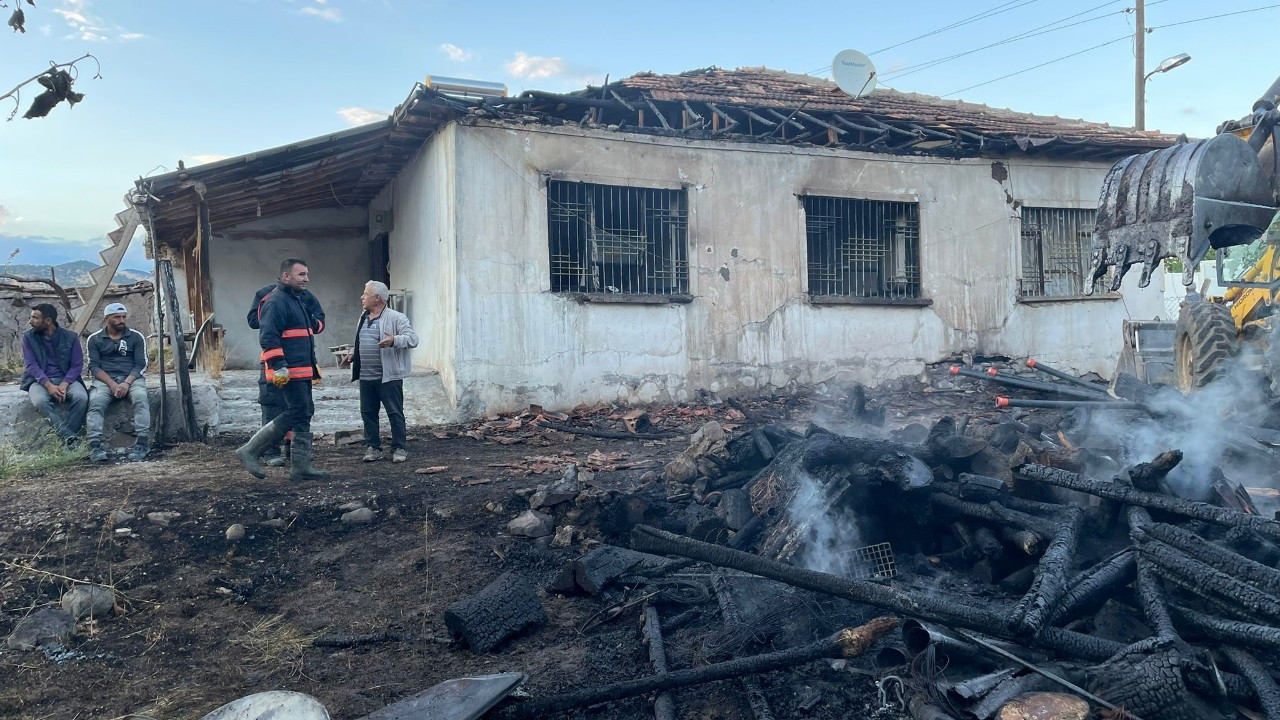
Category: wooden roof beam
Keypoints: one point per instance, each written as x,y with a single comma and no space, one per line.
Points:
648,101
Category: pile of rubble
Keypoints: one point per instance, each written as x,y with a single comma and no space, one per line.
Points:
1016,565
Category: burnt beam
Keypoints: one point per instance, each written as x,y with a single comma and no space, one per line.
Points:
1151,501
648,101
844,644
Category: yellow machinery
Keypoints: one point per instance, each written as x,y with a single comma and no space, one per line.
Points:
1215,195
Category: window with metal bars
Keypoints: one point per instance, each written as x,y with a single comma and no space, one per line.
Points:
1056,247
612,239
862,248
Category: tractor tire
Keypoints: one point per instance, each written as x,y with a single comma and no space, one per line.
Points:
1205,341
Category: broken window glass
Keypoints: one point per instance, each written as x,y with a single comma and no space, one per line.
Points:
862,248
614,239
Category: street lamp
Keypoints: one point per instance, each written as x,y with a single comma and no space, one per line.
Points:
1169,64
1165,66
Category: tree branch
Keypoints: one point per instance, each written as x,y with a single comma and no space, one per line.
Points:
62,294
13,94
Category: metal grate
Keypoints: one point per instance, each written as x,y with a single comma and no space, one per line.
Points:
873,562
613,239
1056,247
862,248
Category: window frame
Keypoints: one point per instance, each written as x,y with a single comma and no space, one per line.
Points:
1025,276
874,201
677,267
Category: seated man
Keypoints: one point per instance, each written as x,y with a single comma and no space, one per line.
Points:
117,360
53,361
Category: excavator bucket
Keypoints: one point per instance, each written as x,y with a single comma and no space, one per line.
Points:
1179,201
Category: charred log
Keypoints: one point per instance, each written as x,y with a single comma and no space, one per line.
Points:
1051,577
845,644
1146,680
1151,501
1265,578
1201,579
1028,542
1252,545
1090,589
663,705
1228,631
1155,604
747,535
1260,678
988,620
732,619
593,571
502,609
992,512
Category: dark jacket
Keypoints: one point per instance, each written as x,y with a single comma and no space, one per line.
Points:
285,329
68,357
308,300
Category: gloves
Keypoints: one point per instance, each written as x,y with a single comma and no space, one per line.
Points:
280,377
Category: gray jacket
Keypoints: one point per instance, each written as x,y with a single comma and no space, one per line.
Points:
395,359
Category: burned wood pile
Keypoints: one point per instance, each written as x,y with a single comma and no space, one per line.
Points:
982,567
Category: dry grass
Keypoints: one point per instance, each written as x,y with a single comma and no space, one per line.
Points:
46,452
274,645
213,358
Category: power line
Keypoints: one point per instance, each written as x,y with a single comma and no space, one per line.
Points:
1212,17
1034,32
1037,67
992,12
959,23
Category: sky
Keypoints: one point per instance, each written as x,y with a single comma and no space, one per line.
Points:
200,81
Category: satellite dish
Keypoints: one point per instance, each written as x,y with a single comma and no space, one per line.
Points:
853,72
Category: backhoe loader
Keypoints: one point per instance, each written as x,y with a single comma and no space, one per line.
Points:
1219,196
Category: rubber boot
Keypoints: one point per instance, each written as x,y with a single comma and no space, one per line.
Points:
250,453
302,469
280,458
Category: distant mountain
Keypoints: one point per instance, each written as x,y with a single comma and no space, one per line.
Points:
73,274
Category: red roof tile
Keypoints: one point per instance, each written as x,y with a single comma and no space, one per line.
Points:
762,87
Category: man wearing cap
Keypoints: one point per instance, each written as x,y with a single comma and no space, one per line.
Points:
117,361
53,361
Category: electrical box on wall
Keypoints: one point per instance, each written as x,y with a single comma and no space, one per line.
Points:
380,221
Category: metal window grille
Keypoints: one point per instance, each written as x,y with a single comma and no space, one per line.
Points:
612,239
862,248
1056,246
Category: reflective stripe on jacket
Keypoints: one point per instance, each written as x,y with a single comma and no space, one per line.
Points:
286,325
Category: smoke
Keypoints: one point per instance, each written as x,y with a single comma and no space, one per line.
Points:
1209,426
833,533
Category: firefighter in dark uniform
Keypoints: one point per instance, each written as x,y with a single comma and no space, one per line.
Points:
270,397
286,327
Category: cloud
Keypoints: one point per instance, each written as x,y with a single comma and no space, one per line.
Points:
87,26
319,10
361,116
456,53
204,159
4,216
533,67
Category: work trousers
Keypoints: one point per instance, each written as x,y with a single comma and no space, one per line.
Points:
100,399
298,406
271,400
390,395
66,417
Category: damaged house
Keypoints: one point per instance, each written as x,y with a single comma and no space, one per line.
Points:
730,231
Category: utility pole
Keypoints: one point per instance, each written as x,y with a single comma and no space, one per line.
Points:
1140,69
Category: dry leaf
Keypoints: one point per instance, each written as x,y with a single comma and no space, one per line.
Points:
431,470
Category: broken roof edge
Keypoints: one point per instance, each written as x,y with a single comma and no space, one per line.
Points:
355,163
763,89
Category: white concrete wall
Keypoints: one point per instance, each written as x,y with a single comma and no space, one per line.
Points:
240,264
516,342
424,246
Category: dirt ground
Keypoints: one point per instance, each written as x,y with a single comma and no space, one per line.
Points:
204,621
